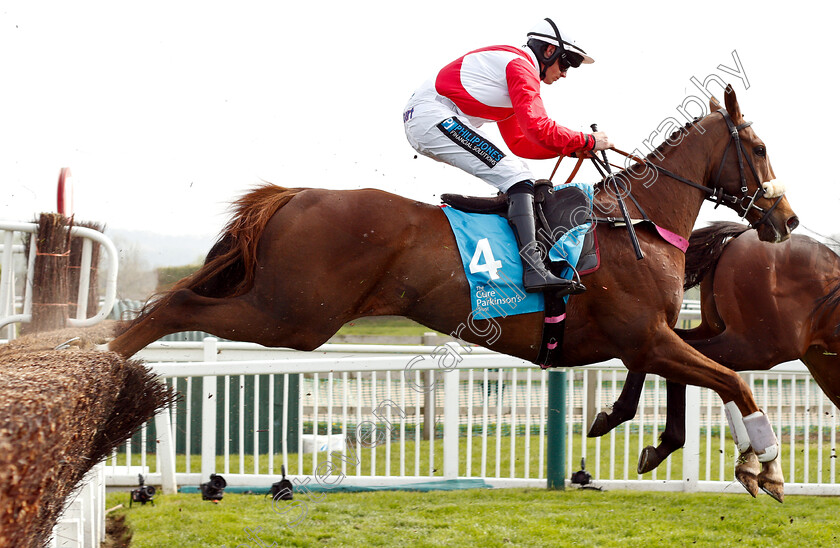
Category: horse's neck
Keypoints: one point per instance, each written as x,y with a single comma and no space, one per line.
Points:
670,203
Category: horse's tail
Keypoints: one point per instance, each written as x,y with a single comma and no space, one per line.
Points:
228,270
705,247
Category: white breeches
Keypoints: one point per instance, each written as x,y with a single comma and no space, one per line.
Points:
436,129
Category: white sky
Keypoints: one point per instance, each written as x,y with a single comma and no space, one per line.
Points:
167,111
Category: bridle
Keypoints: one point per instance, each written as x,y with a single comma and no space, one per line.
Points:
743,203
736,142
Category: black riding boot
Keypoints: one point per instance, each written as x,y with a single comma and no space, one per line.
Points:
521,218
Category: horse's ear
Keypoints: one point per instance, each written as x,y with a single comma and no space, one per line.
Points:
732,103
714,104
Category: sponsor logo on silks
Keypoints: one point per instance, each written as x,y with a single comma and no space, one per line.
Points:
407,115
472,142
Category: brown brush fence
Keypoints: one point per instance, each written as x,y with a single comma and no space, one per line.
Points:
51,289
61,412
55,283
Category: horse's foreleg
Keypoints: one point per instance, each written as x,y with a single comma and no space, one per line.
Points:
623,409
666,355
700,332
749,433
747,470
755,475
673,437
771,480
670,357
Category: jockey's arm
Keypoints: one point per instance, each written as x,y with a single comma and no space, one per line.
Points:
530,133
519,144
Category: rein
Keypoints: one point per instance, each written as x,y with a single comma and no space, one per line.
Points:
717,193
634,240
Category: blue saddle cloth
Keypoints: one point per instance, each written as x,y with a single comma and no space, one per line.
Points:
493,266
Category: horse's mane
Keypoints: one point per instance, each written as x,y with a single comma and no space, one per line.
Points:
666,145
657,154
705,247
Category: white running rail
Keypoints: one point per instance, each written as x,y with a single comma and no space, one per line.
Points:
8,249
491,407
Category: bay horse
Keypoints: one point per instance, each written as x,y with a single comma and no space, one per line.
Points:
295,264
761,305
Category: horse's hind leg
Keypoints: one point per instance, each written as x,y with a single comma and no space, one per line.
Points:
236,318
623,409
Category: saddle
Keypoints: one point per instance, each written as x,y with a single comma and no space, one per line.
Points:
557,212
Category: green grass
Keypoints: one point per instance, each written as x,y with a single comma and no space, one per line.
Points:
491,518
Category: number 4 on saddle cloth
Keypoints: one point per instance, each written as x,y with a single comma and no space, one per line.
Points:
493,266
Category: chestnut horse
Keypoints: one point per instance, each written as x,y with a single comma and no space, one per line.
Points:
761,305
294,265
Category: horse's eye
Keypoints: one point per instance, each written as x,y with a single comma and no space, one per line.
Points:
760,151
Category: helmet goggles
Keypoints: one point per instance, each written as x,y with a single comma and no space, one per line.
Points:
566,52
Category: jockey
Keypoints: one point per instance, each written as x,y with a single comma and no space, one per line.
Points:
502,84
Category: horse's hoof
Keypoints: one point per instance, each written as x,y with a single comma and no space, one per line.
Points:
600,426
749,482
775,490
745,472
648,460
771,480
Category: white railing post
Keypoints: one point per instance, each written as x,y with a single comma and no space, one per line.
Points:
451,415
166,453
7,284
208,414
691,449
84,280
8,316
112,269
102,492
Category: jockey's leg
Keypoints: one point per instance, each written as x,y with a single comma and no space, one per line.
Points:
521,218
435,130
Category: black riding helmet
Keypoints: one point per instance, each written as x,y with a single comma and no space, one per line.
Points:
566,51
